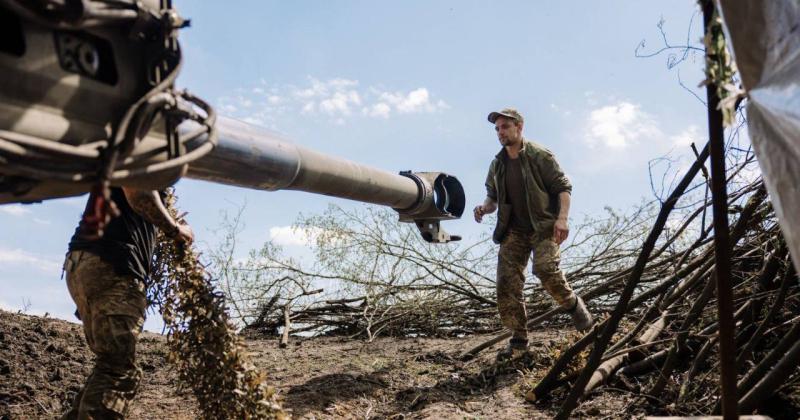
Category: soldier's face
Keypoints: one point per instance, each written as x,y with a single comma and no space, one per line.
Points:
508,131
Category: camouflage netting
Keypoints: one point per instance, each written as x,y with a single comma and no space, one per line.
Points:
203,342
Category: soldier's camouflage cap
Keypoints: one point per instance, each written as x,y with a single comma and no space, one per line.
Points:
506,112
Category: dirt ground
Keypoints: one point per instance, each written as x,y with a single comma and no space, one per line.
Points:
44,361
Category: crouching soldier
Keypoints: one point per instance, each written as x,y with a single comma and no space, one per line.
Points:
106,277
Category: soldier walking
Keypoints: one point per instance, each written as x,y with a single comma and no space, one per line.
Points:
106,276
532,195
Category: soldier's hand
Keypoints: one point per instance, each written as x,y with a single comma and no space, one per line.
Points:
185,233
560,231
479,212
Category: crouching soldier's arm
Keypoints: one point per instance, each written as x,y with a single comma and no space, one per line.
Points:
148,204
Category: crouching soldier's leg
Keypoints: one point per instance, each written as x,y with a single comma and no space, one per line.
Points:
511,261
112,308
546,266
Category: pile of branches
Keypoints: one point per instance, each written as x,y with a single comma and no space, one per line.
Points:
368,278
203,343
663,342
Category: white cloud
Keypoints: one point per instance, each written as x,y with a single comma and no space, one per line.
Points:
417,100
340,103
334,97
381,109
620,134
320,89
14,209
290,235
686,137
337,99
18,256
620,126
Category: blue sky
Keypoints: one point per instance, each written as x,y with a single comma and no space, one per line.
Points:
408,85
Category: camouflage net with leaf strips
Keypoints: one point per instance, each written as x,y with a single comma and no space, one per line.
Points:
720,69
203,344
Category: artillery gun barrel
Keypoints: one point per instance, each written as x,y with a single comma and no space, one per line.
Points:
253,157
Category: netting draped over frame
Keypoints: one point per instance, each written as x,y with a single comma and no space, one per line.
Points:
765,36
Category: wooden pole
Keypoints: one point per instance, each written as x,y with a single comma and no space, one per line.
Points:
722,251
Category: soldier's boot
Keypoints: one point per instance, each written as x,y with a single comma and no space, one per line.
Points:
515,349
580,315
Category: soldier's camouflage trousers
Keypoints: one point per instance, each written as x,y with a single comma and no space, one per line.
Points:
515,250
112,308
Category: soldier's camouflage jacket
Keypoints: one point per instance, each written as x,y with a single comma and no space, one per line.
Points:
544,180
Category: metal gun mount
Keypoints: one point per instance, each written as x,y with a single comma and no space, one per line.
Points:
441,198
81,84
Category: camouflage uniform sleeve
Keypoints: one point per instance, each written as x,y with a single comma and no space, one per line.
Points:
491,188
554,178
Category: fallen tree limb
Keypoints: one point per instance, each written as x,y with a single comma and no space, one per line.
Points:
607,368
767,386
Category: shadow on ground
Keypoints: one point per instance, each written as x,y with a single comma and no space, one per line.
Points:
461,386
319,393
